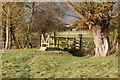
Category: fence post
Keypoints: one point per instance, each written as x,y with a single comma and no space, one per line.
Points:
42,39
58,42
80,41
48,40
69,44
54,40
74,42
66,41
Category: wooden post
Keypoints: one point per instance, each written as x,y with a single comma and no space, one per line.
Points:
80,41
42,40
54,40
58,42
48,40
69,43
74,42
66,41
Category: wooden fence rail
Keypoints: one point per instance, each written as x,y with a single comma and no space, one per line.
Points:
51,40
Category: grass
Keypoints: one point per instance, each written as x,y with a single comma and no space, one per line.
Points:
87,38
33,63
85,33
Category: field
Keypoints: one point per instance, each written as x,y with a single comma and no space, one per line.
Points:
87,38
32,63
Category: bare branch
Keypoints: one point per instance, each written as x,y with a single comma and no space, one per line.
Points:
76,11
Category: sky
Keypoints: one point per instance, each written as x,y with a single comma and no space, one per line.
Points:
69,19
67,10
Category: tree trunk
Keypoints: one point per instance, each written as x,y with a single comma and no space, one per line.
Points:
10,41
19,43
40,40
16,44
119,35
101,41
7,29
7,38
28,29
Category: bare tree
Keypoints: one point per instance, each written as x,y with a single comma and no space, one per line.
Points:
11,11
95,15
46,19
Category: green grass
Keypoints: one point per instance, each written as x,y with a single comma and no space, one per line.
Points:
85,33
33,63
87,38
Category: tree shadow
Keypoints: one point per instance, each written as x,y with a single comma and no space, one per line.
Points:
78,53
74,52
90,52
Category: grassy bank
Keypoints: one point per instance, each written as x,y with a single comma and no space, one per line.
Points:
38,64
